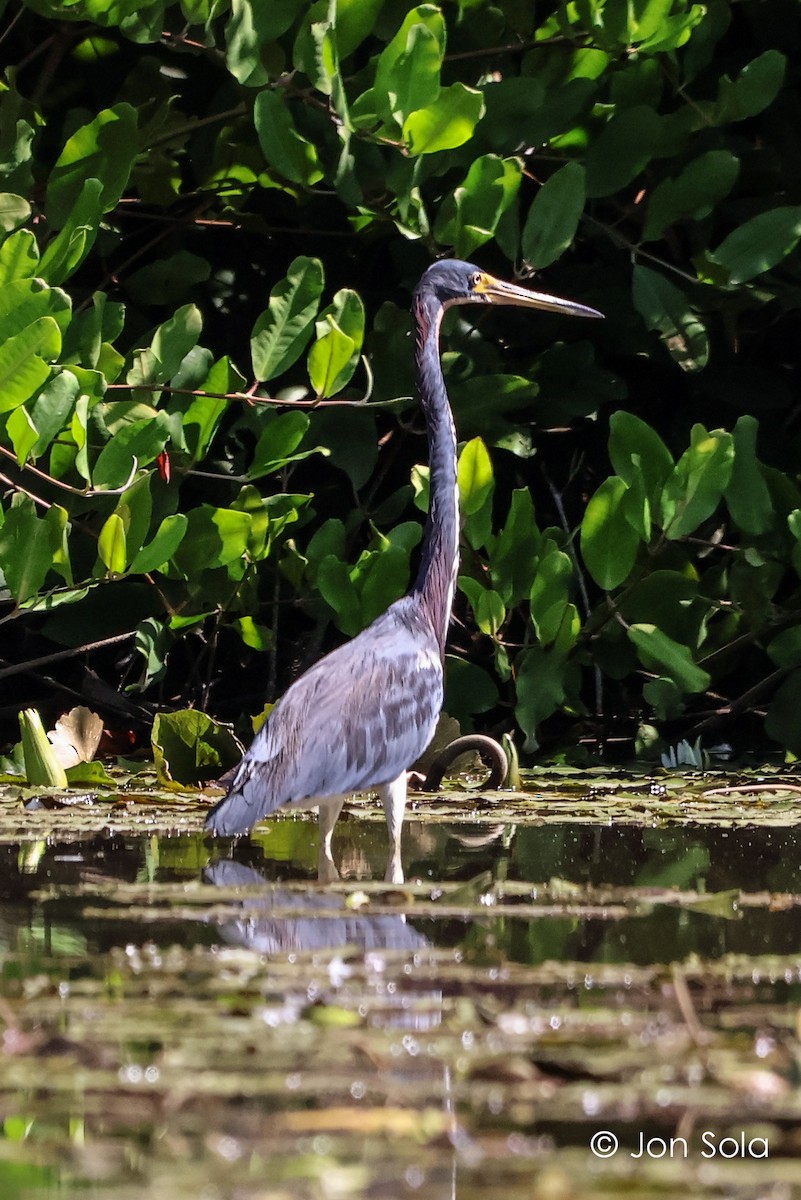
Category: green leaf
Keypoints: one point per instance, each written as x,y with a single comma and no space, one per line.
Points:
407,72
42,768
14,211
25,300
22,361
51,410
696,485
638,455
754,89
135,445
747,495
258,637
112,545
65,253
278,442
693,193
625,147
19,257
335,354
471,214
25,550
469,689
550,594
658,651
292,155
545,679
781,721
251,27
190,747
514,554
664,308
214,537
103,150
356,20
22,432
446,123
474,476
158,552
172,343
760,243
662,32
337,589
489,611
283,329
554,215
785,648
609,543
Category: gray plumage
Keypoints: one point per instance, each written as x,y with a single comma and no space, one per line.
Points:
360,717
355,720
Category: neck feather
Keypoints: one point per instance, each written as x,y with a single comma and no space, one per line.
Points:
437,575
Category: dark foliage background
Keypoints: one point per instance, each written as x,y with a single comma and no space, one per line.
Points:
631,546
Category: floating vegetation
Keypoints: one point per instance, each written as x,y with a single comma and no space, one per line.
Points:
600,955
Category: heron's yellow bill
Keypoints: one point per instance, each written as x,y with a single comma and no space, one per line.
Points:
497,291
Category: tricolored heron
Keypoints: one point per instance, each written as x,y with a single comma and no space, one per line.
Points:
359,718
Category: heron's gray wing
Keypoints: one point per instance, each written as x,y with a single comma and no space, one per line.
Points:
357,719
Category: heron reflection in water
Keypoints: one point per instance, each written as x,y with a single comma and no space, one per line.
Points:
359,718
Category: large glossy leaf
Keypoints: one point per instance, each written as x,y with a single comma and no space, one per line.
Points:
14,211
190,747
25,551
278,443
104,150
471,214
550,594
760,243
638,454
554,215
19,257
657,650
609,543
65,253
447,122
698,481
252,26
25,301
747,494
24,364
513,556
136,445
701,185
665,308
292,155
623,150
283,330
214,538
112,545
335,353
203,416
407,73
753,90
158,552
545,679
475,476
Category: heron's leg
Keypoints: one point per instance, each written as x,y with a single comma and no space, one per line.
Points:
393,797
328,813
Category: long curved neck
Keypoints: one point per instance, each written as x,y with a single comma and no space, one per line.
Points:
436,578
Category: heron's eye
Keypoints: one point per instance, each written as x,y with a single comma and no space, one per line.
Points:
476,279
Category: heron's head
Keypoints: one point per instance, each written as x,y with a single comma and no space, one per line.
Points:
453,282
